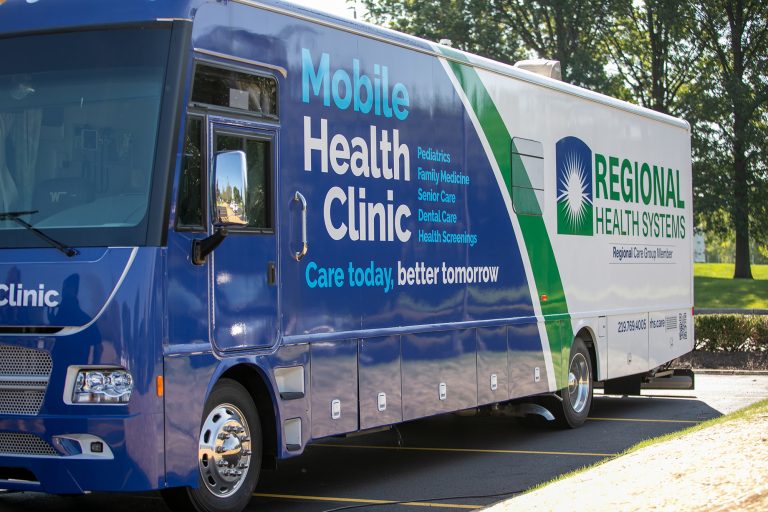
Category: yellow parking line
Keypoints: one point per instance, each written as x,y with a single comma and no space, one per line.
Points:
640,420
687,397
462,450
365,502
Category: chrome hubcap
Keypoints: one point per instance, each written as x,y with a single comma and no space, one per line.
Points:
578,383
224,453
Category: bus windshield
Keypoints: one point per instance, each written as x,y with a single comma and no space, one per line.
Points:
79,116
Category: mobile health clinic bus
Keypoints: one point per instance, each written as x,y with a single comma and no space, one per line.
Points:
228,228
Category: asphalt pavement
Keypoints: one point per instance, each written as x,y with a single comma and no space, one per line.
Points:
451,462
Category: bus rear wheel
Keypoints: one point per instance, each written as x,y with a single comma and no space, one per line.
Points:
573,409
229,454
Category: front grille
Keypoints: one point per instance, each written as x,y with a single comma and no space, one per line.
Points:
21,443
24,361
24,375
14,401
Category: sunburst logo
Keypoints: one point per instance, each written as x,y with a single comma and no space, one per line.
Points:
574,187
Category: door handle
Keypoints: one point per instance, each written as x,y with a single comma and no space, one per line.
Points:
298,197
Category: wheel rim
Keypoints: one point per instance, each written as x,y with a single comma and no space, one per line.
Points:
224,454
578,383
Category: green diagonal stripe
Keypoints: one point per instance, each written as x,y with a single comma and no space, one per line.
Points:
537,243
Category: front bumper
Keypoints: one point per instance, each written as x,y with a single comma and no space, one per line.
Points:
63,454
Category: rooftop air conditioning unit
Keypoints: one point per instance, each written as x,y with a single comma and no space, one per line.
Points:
543,67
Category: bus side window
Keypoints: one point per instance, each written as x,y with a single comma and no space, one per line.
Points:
191,203
235,90
527,176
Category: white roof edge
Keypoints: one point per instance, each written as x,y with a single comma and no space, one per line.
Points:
528,76
401,39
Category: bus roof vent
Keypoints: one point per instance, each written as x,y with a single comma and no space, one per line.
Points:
548,68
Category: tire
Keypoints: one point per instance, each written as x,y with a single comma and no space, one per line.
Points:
229,454
573,409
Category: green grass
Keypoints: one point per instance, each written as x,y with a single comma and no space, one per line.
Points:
714,287
745,413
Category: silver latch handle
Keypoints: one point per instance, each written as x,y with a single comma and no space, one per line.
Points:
304,244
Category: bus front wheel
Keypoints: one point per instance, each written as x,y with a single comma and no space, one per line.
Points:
573,409
229,454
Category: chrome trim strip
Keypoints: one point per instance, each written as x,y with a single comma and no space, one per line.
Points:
471,324
351,30
24,382
24,387
411,329
24,378
241,60
191,349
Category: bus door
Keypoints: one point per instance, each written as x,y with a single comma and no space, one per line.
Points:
244,273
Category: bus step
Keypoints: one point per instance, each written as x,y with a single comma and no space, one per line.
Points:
681,378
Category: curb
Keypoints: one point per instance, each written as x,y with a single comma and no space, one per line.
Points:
717,371
729,311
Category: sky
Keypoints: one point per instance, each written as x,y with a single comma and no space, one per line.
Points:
338,7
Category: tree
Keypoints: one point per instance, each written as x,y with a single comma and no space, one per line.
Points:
736,34
712,189
509,30
237,196
470,25
652,45
565,30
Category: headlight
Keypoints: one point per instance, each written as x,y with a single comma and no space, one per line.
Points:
109,386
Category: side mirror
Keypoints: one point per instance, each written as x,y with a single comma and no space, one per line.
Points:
230,179
230,186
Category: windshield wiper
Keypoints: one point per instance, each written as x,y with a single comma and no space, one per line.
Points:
14,216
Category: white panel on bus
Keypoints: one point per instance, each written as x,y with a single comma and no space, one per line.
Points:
627,345
670,335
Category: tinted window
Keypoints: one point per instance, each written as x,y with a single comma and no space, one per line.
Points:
79,116
235,90
191,204
527,176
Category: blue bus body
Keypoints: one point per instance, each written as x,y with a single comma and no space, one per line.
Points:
416,295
